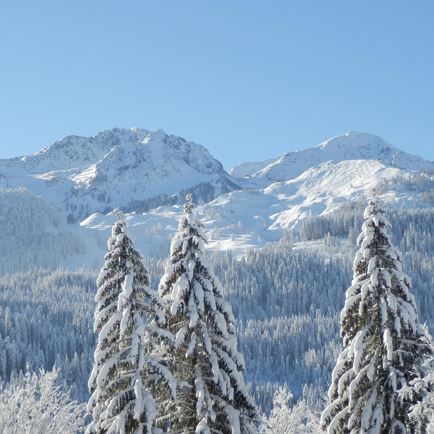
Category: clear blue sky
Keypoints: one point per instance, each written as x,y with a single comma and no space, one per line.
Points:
247,79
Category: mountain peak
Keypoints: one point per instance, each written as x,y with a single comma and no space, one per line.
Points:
130,168
356,139
74,151
352,145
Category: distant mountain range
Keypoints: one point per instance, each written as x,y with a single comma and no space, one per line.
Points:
147,174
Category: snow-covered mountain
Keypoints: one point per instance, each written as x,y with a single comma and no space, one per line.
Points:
134,169
288,189
146,174
349,146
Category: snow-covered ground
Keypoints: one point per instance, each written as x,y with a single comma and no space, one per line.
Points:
243,219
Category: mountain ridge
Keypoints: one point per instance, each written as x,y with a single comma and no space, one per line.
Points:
352,145
147,175
135,169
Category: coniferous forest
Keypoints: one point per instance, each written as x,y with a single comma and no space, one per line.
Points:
278,341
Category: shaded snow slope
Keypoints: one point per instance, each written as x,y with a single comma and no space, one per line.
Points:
34,234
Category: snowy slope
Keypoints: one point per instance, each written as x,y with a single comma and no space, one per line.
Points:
350,146
133,169
249,218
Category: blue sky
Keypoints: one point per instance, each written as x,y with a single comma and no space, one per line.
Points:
247,79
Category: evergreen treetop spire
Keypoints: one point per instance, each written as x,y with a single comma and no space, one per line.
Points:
189,205
119,215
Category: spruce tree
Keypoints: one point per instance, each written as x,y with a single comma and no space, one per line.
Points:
212,396
379,374
128,369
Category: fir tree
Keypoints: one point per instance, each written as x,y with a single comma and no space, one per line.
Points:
378,376
212,396
38,403
127,370
288,417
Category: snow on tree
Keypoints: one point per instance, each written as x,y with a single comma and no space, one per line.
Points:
35,403
128,369
289,419
422,413
212,396
378,377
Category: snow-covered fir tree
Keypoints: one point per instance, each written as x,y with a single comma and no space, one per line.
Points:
212,396
422,414
379,374
287,417
128,370
36,402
